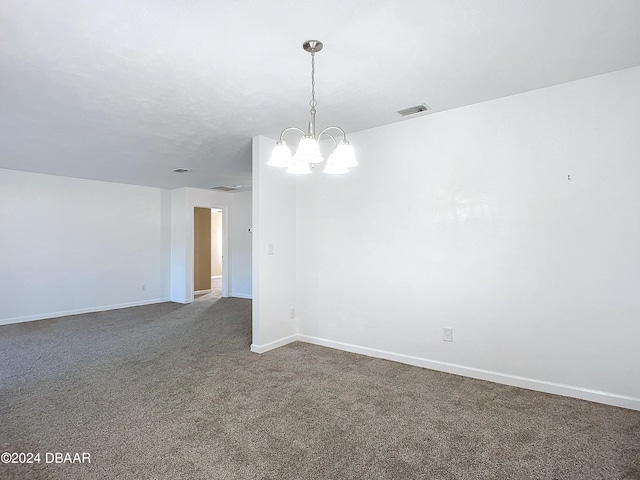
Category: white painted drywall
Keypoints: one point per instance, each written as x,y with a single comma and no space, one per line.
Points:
181,290
216,243
537,274
274,275
240,242
236,249
69,245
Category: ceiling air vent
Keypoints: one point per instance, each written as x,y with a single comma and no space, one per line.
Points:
413,110
224,188
179,170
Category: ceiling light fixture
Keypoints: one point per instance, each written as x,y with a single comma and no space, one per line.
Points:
308,152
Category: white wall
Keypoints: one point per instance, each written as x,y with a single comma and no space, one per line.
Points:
537,274
236,262
274,276
216,243
240,240
181,283
69,245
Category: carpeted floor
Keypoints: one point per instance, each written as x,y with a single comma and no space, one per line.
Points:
172,391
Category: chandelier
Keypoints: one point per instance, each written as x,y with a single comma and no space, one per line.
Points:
308,153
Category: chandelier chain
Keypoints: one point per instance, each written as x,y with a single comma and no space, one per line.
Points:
313,101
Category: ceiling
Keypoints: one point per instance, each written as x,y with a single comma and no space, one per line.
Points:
126,90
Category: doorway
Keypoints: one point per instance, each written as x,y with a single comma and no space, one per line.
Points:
209,253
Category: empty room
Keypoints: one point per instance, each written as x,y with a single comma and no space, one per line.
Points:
320,240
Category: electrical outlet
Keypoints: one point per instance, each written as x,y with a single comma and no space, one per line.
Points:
143,287
270,250
447,334
292,312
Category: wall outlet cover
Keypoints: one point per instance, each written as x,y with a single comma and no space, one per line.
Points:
447,334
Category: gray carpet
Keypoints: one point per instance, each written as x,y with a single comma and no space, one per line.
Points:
172,392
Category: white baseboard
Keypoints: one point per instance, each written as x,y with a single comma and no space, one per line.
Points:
241,295
102,308
216,276
505,379
201,292
271,345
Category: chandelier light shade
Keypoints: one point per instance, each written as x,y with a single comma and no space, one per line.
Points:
281,156
308,154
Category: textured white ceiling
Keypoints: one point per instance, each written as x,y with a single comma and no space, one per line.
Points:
126,90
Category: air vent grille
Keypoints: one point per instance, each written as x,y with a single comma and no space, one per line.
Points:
180,170
413,110
224,188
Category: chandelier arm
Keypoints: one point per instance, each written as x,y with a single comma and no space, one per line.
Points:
335,143
291,128
344,135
